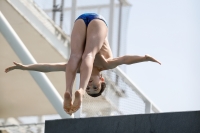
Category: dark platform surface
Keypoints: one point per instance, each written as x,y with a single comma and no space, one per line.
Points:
177,122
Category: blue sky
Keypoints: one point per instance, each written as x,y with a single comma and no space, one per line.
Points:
169,31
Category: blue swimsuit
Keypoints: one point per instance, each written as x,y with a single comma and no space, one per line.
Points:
88,17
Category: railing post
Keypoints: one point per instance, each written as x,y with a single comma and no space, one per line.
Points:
26,58
148,107
147,101
73,12
110,36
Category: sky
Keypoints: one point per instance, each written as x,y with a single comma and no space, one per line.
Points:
170,32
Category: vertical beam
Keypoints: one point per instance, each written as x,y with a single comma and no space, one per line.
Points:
111,24
61,13
73,13
148,107
119,35
119,28
54,10
26,58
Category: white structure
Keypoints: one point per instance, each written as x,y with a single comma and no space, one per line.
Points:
26,58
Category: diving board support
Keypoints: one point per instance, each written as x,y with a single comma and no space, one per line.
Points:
25,56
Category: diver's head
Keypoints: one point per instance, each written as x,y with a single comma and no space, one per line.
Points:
96,85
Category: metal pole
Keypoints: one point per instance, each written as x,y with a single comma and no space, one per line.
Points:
54,10
26,58
119,35
73,13
61,13
111,17
119,28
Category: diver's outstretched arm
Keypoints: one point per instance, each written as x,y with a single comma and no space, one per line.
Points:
41,67
129,59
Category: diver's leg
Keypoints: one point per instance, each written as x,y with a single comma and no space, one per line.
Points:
96,34
77,47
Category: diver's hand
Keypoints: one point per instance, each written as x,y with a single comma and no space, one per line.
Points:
149,58
16,66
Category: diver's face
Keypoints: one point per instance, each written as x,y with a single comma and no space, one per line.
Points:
94,85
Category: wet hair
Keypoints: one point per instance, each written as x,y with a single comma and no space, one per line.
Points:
103,86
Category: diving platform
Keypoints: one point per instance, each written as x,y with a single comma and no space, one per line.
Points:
175,122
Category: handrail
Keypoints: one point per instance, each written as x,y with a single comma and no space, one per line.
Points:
141,94
47,18
43,24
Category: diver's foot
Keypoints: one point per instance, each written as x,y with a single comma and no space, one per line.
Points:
77,101
149,58
67,102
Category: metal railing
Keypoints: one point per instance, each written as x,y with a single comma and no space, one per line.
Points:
43,24
149,105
